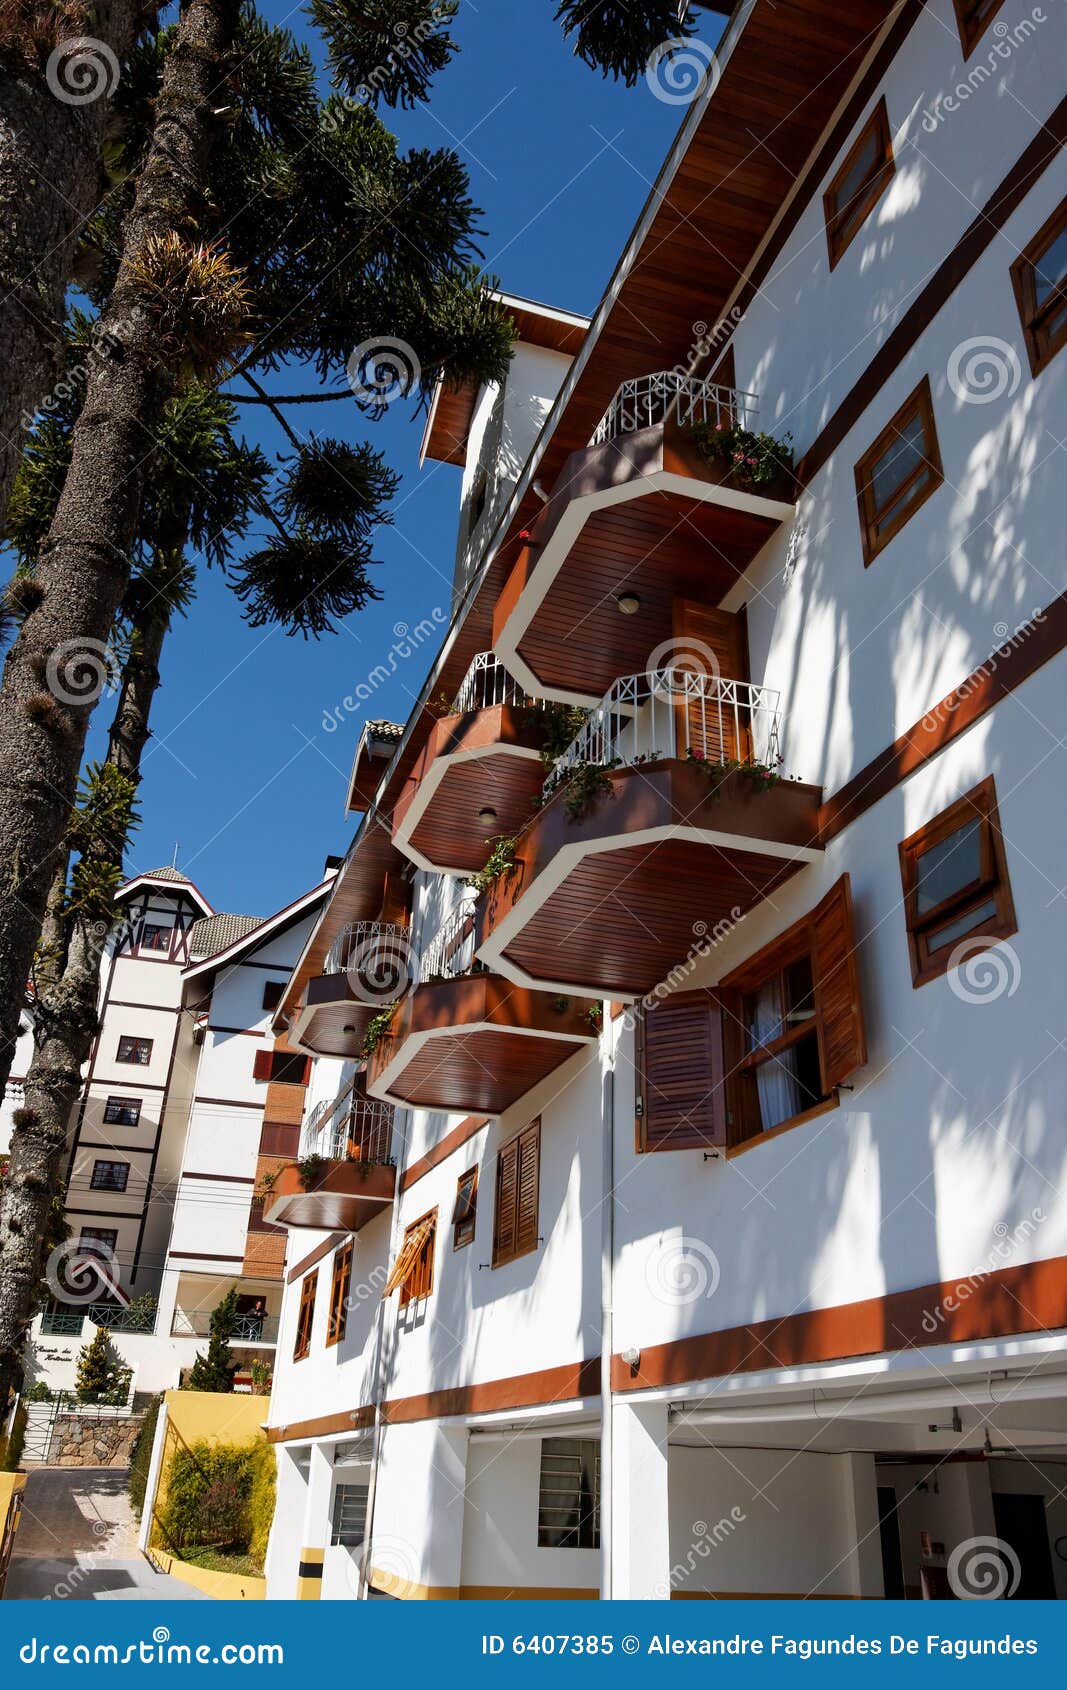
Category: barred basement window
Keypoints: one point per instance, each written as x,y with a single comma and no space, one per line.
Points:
123,1111
568,1500
349,1526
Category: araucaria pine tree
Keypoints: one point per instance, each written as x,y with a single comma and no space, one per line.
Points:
101,1377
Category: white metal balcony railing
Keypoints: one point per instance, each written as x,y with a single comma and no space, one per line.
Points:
349,1129
450,952
250,1328
486,683
368,946
645,401
672,712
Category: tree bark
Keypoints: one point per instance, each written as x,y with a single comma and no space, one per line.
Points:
50,181
56,666
65,1024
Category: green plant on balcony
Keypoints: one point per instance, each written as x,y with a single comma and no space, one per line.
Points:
267,1182
310,1170
583,785
377,1029
560,725
747,460
501,860
595,1016
759,777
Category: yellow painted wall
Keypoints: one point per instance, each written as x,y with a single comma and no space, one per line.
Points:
11,1485
224,1587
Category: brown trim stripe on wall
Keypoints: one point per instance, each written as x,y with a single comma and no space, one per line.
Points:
315,1256
523,1390
1011,1300
994,680
451,1141
325,1426
1005,199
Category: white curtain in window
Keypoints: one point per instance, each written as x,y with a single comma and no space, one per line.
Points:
776,1083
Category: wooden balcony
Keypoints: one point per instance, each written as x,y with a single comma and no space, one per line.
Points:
346,1176
668,852
477,776
637,519
369,965
472,1042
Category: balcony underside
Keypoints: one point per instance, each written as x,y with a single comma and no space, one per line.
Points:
332,1019
475,1045
643,515
611,903
484,759
347,1196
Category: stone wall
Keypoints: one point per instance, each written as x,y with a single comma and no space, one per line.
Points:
86,1441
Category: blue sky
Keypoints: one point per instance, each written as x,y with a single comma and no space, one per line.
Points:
241,774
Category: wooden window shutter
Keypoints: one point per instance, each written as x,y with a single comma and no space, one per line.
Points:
842,1040
414,1239
504,1210
529,1142
715,643
681,1083
261,1066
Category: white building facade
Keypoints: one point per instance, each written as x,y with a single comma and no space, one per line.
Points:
717,1242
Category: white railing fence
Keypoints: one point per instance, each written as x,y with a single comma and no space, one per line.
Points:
486,683
450,952
674,712
645,401
366,945
349,1128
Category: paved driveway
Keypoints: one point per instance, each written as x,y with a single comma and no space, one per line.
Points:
77,1541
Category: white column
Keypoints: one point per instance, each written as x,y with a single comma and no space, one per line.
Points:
144,1536
636,1470
316,1522
862,1572
417,1536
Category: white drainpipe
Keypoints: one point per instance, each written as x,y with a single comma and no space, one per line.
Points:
607,1278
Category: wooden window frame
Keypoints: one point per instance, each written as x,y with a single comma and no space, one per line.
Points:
340,1287
161,951
134,1061
741,1064
993,883
505,1251
843,223
113,1120
104,1185
305,1319
418,1284
106,1236
876,538
1041,347
973,28
465,1210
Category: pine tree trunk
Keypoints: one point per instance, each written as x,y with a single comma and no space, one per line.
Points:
50,182
54,670
65,1023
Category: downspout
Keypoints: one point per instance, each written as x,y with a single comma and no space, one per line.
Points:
607,1280
378,1391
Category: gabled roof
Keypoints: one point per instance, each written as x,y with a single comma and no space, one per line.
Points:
170,877
198,977
215,932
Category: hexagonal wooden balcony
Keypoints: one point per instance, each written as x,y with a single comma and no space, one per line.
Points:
667,850
477,775
369,965
636,520
472,1042
348,1144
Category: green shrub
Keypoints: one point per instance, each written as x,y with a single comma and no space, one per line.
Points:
141,1456
102,1378
11,1446
220,1496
